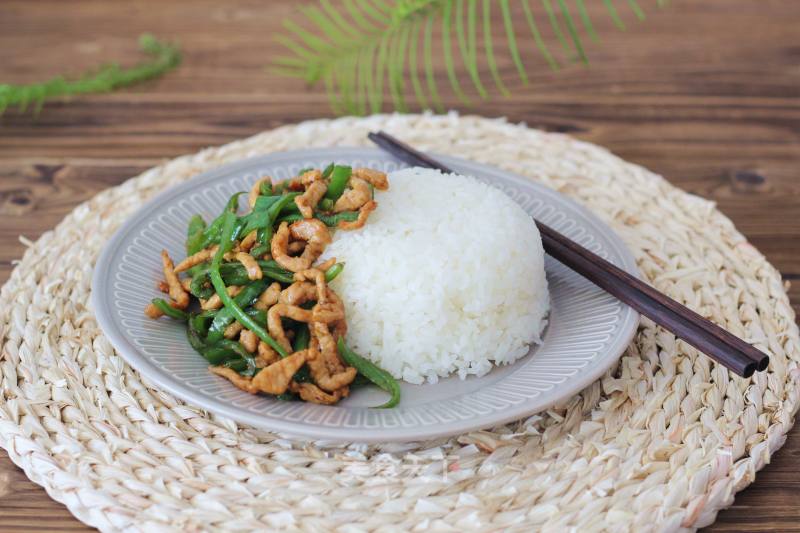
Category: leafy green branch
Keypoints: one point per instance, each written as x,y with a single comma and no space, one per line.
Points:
163,58
360,49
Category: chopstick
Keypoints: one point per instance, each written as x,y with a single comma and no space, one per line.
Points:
719,344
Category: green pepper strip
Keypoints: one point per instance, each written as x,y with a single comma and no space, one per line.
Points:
260,250
264,202
333,220
239,365
228,237
375,374
327,171
279,187
194,234
333,271
168,310
302,338
326,204
224,316
212,232
215,354
339,178
243,354
235,274
329,220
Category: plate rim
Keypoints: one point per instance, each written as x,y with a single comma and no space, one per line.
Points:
164,381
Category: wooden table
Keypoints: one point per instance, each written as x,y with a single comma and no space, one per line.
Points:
704,93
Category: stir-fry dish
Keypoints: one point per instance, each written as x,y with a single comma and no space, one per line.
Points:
255,298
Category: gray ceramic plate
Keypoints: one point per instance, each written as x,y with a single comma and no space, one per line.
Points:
587,333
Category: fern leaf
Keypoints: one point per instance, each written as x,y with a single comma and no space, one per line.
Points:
447,15
512,41
489,47
587,21
573,31
368,52
396,68
163,58
636,9
537,36
419,93
429,75
466,56
357,16
612,11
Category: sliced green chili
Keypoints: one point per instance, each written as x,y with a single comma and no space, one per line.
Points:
243,354
326,204
224,317
168,310
194,234
226,241
333,271
333,220
327,171
375,374
260,250
301,337
265,202
279,187
233,203
339,178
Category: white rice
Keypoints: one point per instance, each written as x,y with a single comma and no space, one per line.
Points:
447,276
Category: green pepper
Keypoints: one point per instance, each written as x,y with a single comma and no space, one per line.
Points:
326,204
168,310
212,232
327,171
194,234
215,355
226,241
339,178
259,250
372,372
224,317
302,337
235,273
239,365
199,322
333,220
280,187
265,202
258,315
292,217
243,354
333,271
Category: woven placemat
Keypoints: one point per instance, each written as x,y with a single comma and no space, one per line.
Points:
662,442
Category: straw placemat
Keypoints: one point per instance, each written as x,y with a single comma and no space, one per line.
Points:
662,442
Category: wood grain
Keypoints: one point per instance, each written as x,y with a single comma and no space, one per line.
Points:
704,93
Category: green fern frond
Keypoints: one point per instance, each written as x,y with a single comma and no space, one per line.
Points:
374,53
164,57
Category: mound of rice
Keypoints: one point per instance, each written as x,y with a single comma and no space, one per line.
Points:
447,276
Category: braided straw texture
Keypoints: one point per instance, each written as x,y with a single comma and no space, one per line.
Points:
662,442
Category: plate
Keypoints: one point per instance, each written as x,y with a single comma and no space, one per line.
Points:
588,329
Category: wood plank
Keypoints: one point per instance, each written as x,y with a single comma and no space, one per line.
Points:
704,93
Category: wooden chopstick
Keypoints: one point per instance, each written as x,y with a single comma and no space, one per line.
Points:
719,344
